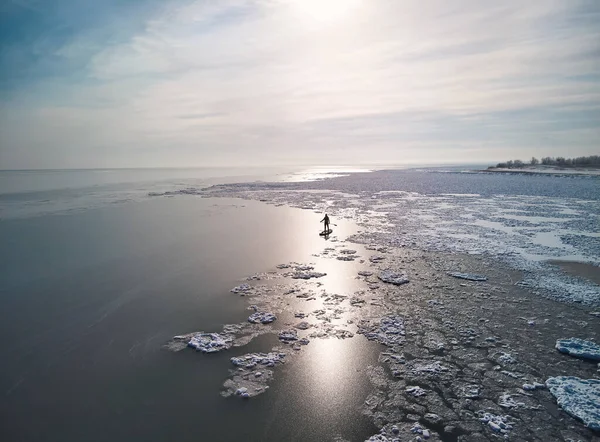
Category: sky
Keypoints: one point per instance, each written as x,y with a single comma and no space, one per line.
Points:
174,83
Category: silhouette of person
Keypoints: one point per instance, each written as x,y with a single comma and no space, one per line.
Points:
326,221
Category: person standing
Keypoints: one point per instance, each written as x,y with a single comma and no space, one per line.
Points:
326,221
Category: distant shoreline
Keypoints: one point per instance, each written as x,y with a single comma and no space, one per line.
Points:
547,170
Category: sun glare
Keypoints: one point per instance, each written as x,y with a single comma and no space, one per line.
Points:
325,10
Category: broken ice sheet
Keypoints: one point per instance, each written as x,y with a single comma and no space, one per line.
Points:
388,331
579,348
252,375
578,397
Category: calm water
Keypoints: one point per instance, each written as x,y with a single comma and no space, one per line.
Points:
90,297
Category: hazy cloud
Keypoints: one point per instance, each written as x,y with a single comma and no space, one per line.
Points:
283,81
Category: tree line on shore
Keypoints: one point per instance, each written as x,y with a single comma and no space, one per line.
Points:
591,161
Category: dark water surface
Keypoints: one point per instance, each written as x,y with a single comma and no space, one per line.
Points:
90,298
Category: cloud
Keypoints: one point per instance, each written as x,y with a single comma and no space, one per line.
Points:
237,80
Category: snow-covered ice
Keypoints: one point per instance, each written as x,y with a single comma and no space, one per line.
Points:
388,331
393,277
252,360
578,397
261,317
288,335
210,342
579,348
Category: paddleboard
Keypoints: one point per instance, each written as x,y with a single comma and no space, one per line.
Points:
328,232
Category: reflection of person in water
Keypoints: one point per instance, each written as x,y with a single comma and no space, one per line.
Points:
326,221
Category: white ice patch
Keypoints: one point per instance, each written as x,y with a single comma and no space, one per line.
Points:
578,397
252,360
391,277
261,317
210,342
468,276
498,424
579,348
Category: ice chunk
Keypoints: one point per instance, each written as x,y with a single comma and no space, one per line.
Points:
578,397
579,348
210,342
506,401
393,277
468,276
534,386
389,331
241,289
307,275
252,360
365,273
416,391
378,438
262,317
504,358
376,258
498,424
288,335
303,268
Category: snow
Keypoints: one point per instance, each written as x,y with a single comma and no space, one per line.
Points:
261,317
468,276
579,348
578,397
210,342
393,278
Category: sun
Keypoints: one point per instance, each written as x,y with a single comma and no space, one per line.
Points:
325,10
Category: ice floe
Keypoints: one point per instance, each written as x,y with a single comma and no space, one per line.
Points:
393,277
389,330
241,289
261,317
288,335
497,423
307,275
251,360
210,342
578,397
468,276
579,348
